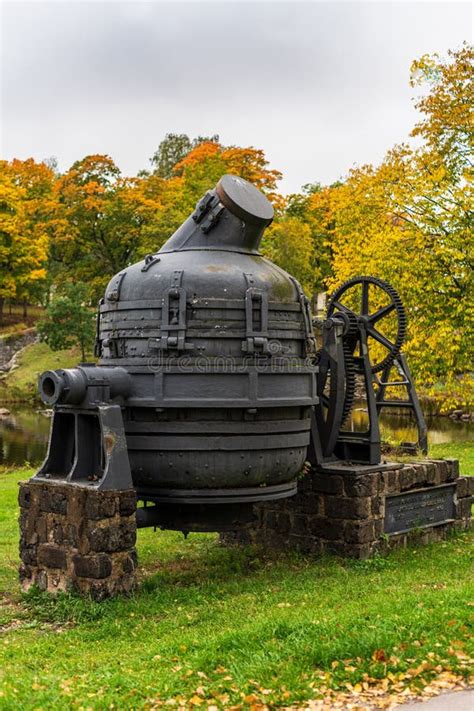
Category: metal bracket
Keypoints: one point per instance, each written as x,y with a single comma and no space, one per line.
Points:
256,339
208,211
173,324
307,319
113,292
150,260
98,342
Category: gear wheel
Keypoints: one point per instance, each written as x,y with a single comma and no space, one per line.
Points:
350,378
370,319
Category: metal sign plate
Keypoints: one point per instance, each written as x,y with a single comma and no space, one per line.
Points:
420,508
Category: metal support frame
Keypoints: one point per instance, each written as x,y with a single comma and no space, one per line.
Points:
87,447
412,403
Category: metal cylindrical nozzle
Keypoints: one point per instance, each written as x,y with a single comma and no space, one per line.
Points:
69,387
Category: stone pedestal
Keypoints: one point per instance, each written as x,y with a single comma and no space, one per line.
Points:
349,509
75,538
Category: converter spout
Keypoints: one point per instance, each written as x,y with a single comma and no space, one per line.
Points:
231,217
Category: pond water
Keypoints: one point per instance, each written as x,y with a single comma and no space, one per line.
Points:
24,433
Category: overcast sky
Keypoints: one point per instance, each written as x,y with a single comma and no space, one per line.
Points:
319,86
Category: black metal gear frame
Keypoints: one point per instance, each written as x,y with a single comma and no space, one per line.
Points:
364,316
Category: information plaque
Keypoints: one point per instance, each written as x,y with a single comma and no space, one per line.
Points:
420,508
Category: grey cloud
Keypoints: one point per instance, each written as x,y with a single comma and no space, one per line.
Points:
317,85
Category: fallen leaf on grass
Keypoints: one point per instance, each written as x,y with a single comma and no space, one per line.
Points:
196,700
379,655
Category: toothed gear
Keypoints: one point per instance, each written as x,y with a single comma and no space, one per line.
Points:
395,304
350,382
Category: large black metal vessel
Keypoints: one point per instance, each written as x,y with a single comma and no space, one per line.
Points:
208,393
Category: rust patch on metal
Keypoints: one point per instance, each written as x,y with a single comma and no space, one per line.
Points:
109,442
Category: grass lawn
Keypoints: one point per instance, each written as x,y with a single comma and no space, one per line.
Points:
21,383
220,628
464,451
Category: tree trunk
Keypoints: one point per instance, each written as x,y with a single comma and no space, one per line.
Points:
2,300
25,308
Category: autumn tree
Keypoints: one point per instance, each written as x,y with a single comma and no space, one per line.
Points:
37,182
97,227
410,220
25,188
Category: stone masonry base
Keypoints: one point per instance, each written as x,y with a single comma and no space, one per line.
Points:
74,538
342,509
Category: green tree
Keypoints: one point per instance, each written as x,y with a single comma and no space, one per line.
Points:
69,320
289,244
172,149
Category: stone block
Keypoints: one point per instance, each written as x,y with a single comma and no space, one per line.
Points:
58,534
463,508
94,566
326,483
462,487
323,527
306,502
407,478
283,525
24,495
99,590
453,469
51,556
391,481
112,538
304,482
127,502
377,505
76,503
29,533
346,507
431,474
100,505
29,554
300,524
363,485
53,500
270,519
42,528
129,563
442,471
378,527
470,485
359,531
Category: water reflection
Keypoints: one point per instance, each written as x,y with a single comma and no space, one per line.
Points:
400,427
23,437
24,433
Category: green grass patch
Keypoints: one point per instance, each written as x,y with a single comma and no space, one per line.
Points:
221,626
464,451
20,385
